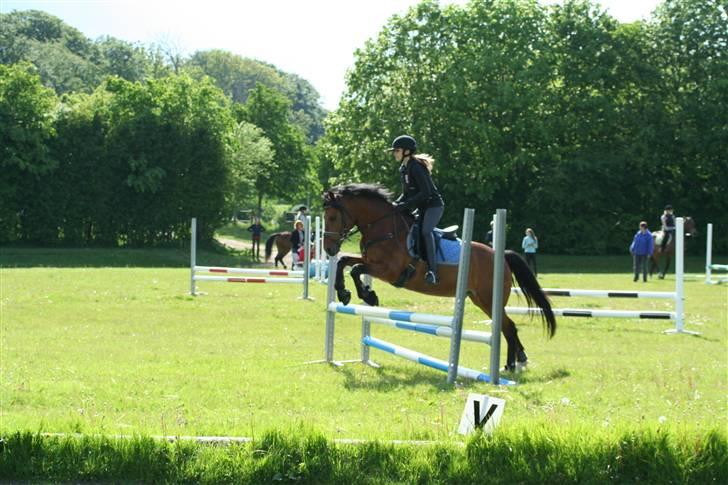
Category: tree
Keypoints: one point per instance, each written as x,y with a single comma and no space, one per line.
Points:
237,77
293,177
252,162
26,126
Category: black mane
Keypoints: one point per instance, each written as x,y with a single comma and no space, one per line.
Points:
371,191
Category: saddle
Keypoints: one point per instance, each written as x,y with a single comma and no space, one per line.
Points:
659,236
414,240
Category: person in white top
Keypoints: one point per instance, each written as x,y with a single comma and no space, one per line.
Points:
530,245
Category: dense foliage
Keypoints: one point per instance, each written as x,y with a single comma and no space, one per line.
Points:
579,125
129,142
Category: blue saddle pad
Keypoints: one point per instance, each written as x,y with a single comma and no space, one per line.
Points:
448,251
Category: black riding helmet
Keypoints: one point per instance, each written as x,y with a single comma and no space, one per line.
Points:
405,142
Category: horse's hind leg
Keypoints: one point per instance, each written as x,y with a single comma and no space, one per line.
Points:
515,350
521,357
279,258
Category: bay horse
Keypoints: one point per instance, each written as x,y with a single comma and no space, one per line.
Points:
282,241
368,209
658,254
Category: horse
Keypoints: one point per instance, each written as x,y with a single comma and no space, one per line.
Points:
657,253
282,241
368,209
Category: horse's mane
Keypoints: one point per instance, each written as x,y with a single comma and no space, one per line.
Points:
369,191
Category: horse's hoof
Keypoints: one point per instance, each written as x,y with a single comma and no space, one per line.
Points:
509,368
662,276
521,366
344,296
371,299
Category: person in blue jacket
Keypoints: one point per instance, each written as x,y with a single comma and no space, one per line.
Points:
641,249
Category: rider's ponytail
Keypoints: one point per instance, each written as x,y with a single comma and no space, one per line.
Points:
425,160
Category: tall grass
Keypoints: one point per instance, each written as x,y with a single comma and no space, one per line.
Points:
541,455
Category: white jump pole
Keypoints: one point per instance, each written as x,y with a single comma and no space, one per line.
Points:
306,256
679,279
317,249
499,242
709,254
461,293
193,255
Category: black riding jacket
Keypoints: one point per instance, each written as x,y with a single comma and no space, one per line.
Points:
418,189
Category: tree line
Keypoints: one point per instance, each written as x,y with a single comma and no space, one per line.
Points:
580,125
106,142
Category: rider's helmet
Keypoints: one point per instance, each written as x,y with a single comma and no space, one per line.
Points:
668,207
404,142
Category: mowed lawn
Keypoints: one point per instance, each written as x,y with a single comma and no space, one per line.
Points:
103,348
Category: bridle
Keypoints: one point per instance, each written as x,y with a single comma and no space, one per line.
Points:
340,237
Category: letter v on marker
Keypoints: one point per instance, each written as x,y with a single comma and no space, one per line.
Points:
476,414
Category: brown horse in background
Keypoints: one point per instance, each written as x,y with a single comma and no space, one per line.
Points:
658,254
368,209
282,241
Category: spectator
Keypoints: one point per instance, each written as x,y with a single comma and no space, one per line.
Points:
641,250
256,229
530,245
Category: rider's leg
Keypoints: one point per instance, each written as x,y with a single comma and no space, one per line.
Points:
429,221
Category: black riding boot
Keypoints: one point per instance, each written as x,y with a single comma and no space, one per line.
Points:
431,276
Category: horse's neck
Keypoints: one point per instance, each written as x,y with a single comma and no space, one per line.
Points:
373,222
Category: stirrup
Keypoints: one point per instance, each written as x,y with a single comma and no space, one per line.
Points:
431,278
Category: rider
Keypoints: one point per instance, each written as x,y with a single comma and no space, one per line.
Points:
419,192
668,227
297,241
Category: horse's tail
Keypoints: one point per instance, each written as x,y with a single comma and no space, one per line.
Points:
269,245
531,289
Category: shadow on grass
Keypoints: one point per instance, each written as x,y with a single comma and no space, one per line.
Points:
386,379
31,257
526,377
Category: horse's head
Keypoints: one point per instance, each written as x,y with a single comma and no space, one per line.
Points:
348,206
690,227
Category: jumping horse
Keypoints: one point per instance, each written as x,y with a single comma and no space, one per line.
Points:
658,254
368,209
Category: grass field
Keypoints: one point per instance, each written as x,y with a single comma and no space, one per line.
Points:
109,342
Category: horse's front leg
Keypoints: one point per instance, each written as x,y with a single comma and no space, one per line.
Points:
342,293
363,291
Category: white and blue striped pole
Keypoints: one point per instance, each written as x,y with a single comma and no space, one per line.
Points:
429,361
